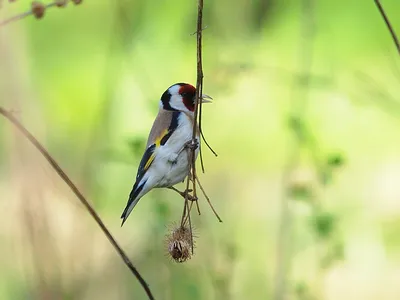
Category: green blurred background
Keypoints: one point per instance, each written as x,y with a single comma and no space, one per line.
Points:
305,123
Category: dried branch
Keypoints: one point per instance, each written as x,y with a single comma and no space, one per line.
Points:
80,196
37,9
192,175
197,118
208,199
199,90
388,24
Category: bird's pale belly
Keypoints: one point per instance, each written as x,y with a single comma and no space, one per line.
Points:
176,170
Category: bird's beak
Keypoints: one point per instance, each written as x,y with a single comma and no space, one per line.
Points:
206,99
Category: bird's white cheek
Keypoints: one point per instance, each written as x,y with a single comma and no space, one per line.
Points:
177,103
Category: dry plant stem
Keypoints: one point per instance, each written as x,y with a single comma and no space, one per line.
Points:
199,86
205,141
196,124
208,199
191,152
388,24
202,135
190,210
23,15
186,210
201,161
197,206
198,104
193,179
79,195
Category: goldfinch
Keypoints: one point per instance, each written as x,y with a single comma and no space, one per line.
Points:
166,161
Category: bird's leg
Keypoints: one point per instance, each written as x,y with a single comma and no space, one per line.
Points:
184,194
189,145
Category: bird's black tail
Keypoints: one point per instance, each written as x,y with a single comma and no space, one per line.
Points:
132,201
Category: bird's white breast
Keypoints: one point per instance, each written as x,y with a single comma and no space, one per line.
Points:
171,163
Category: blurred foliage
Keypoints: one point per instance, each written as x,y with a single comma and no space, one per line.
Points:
324,224
86,81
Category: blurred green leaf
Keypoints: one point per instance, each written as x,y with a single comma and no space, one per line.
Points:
324,224
302,291
137,145
336,160
301,192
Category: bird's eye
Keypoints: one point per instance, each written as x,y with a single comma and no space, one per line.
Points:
184,94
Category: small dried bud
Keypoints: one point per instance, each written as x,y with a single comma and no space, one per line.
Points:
179,244
38,9
61,3
77,1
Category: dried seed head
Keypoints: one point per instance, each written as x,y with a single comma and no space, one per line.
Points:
77,1
179,244
38,9
61,3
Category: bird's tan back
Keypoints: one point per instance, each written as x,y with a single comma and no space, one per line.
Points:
160,126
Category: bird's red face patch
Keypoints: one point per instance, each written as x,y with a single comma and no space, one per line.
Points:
188,93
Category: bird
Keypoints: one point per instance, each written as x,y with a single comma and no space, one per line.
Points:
165,161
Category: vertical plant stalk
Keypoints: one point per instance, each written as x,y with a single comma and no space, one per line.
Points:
192,175
80,196
191,154
388,24
199,89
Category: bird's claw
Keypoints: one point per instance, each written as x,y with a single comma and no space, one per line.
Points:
192,198
192,144
185,194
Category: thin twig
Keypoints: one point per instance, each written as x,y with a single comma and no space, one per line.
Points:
192,176
199,86
23,15
188,216
79,195
192,150
208,199
198,207
204,139
204,28
187,209
388,24
201,161
186,205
